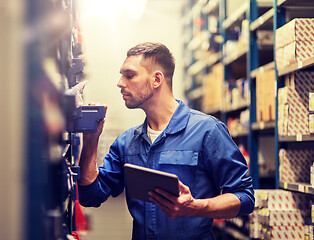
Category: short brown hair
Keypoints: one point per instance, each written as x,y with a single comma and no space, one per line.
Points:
159,54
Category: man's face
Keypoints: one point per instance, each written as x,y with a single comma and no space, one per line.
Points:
135,82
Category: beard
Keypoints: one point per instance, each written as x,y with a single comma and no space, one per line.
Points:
140,97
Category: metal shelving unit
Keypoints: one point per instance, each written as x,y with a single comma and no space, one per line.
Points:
52,65
283,6
257,59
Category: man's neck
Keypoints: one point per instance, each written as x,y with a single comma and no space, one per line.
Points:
159,116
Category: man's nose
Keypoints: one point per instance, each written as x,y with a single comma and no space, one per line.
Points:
120,83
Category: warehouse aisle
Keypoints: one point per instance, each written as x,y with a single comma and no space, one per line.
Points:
111,221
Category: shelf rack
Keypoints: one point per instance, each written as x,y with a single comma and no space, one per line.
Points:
269,16
51,151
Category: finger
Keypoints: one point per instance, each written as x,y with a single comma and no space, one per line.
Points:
106,107
161,200
183,188
171,198
101,122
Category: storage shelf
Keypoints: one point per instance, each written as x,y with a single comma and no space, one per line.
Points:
298,187
211,7
237,56
262,69
239,107
297,138
297,66
235,16
258,126
202,64
243,133
295,3
249,62
262,20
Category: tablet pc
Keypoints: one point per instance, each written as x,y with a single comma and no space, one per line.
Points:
141,180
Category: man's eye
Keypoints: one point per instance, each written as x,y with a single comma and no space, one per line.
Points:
129,76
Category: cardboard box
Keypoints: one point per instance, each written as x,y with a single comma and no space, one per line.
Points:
312,183
298,29
265,37
297,51
294,42
284,233
295,165
293,104
280,60
311,101
265,96
213,88
255,230
289,218
311,123
279,214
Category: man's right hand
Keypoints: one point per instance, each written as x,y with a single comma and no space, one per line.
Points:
92,137
88,159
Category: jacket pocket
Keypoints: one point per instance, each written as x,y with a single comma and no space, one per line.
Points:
181,163
189,158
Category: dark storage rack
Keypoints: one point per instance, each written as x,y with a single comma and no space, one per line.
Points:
54,64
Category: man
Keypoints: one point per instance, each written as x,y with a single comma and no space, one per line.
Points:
175,139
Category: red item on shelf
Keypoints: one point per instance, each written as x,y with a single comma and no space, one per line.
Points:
76,235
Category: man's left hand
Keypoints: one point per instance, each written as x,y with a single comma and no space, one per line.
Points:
172,206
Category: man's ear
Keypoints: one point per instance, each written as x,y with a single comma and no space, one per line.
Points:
159,78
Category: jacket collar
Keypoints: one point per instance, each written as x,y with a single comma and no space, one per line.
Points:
178,121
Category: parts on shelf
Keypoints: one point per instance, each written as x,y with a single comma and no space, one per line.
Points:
85,119
279,214
74,70
294,42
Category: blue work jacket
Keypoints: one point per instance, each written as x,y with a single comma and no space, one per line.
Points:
196,147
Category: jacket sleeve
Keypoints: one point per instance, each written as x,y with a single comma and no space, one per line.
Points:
228,167
110,180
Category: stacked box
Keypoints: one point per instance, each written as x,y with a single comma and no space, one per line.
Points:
293,104
274,199
265,96
294,41
279,214
308,234
286,233
311,101
311,110
286,95
295,165
312,175
213,86
312,211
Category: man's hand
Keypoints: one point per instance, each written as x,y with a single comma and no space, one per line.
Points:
175,207
88,158
221,207
94,137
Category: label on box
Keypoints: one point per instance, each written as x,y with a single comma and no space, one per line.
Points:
311,101
311,123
